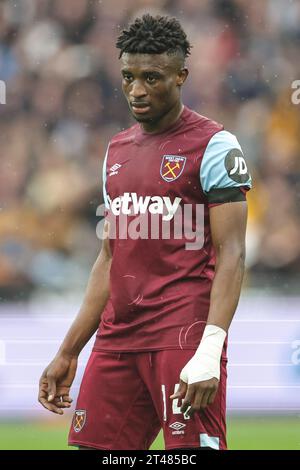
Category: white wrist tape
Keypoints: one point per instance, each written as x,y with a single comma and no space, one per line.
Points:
205,364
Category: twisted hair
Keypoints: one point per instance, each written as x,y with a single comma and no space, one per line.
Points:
154,35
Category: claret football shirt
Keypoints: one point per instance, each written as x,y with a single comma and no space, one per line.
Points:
158,189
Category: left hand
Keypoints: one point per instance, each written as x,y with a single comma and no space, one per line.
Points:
197,396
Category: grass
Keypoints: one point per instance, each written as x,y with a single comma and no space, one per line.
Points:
251,433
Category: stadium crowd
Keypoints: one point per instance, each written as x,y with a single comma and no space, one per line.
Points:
64,102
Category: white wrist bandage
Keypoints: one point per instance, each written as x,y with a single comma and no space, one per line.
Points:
205,364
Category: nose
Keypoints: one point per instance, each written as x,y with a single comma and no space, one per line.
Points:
137,90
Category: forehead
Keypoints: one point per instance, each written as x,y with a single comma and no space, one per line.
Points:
140,62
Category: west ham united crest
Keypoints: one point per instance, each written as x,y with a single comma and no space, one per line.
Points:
79,420
171,167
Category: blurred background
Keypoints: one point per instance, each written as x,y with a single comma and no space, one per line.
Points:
63,103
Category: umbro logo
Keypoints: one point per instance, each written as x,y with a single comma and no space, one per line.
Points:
114,170
177,426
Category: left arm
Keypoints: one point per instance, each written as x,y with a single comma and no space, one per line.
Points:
201,374
228,229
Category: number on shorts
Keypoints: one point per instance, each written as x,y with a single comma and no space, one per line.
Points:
175,407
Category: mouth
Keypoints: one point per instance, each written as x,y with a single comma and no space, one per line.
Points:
139,107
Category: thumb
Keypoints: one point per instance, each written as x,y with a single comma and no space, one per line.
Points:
180,392
51,388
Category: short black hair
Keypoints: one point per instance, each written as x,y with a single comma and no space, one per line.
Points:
154,35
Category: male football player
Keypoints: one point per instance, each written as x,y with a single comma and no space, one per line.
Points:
163,303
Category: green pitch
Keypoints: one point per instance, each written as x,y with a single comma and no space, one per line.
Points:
243,433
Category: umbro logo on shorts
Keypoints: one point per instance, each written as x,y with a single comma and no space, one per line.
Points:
178,427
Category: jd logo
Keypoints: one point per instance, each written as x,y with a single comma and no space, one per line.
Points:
236,166
239,165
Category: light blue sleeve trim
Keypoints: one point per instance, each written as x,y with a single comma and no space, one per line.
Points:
213,173
105,195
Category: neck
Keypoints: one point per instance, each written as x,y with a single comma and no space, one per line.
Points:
166,121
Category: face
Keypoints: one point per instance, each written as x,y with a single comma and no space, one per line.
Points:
151,84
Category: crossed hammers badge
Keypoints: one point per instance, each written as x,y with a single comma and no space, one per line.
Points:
171,167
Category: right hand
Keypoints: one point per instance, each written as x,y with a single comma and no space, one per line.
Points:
55,383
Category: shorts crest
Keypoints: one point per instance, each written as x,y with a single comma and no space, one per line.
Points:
79,420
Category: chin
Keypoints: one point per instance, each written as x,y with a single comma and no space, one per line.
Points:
144,118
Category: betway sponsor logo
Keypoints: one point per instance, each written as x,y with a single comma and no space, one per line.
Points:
132,204
155,218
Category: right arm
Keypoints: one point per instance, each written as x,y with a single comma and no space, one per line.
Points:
57,378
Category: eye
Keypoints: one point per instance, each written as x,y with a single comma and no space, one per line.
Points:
127,77
151,79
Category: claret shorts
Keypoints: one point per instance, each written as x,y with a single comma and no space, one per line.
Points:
124,401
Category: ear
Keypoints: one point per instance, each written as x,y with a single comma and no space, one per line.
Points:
182,76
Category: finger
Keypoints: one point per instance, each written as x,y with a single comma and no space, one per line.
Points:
63,395
49,406
51,388
59,398
43,381
212,397
43,399
42,394
67,398
205,398
61,403
181,391
43,388
196,404
188,399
